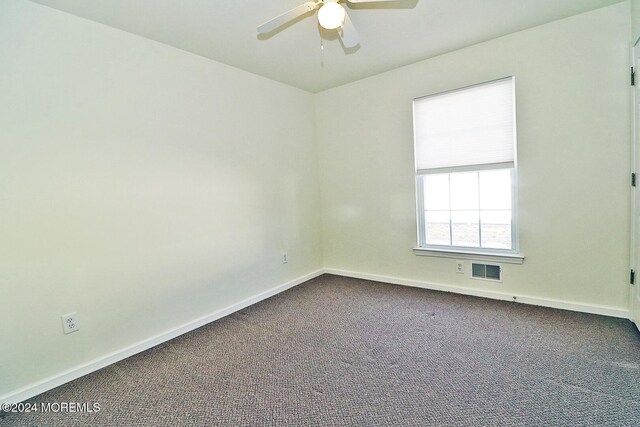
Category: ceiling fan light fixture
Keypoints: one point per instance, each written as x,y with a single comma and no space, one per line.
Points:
331,16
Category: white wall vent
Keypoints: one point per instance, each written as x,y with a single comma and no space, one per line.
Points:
486,271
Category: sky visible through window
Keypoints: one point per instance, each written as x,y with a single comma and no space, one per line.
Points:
469,209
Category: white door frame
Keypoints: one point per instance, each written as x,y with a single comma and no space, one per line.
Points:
634,253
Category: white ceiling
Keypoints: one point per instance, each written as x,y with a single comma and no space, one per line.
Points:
392,34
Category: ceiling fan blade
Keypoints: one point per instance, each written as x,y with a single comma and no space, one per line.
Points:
276,22
348,33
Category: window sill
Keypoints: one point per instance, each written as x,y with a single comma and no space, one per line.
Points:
480,256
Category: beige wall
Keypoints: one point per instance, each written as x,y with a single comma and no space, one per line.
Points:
573,152
635,19
140,186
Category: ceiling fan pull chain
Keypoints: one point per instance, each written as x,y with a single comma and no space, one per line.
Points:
321,48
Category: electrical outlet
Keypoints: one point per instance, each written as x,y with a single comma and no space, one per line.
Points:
70,323
285,258
460,267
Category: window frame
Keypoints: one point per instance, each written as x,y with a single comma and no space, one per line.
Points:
451,251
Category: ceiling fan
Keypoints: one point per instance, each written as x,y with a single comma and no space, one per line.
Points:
331,16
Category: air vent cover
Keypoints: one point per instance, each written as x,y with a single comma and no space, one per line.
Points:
486,271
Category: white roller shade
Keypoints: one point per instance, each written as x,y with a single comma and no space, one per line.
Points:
470,126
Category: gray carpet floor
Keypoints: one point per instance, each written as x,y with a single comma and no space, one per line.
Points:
345,352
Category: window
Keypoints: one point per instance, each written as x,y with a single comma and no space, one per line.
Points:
465,149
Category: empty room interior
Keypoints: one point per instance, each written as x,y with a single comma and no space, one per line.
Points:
321,213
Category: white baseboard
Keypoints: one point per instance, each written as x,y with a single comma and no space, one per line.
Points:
109,359
524,299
